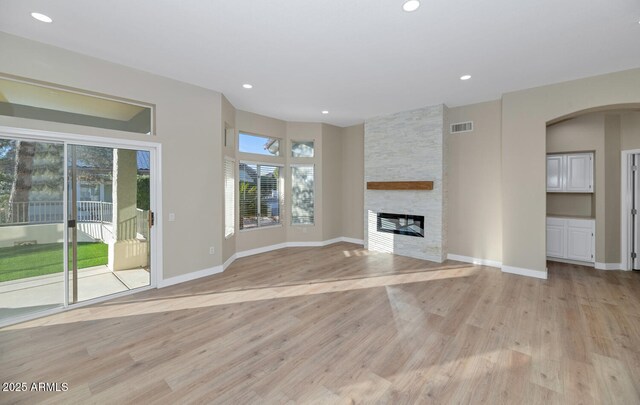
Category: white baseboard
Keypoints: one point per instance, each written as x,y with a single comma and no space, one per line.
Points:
475,260
259,250
609,266
229,261
352,240
524,272
189,276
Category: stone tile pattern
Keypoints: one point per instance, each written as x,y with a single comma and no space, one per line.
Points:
406,146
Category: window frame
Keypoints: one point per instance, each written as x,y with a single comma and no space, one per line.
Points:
280,192
233,198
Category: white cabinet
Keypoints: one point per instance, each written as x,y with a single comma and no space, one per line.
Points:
554,172
556,237
569,238
570,173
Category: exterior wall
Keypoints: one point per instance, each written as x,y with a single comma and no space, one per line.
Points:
41,233
406,146
474,198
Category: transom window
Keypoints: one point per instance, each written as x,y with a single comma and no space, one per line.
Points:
259,145
302,149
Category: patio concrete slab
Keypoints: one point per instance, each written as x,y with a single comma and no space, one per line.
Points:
18,297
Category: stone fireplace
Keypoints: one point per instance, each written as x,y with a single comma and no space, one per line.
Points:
407,146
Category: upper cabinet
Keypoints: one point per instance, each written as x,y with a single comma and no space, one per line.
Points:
570,173
554,172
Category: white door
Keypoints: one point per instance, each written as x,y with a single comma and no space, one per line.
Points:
636,208
556,237
580,237
554,173
579,173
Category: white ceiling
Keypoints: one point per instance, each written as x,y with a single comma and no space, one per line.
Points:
355,58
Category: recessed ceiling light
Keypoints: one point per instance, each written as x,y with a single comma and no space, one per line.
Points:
465,77
247,86
325,112
410,5
41,17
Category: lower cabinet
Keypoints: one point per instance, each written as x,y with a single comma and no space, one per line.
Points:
569,238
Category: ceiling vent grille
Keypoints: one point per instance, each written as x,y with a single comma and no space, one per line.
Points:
461,127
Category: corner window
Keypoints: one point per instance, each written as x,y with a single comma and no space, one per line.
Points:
259,145
302,149
259,195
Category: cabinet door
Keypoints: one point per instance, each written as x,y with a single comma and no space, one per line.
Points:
580,237
554,173
556,238
579,173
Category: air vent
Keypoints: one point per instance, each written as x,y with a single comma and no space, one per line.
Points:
461,127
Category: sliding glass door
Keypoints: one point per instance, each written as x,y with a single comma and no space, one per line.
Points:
109,227
96,199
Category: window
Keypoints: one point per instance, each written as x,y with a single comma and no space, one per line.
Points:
260,145
302,149
229,198
259,194
302,194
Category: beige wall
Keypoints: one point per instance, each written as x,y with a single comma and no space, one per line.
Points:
630,130
524,117
188,125
332,173
612,189
353,182
474,189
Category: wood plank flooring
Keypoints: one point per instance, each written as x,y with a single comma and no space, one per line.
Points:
339,324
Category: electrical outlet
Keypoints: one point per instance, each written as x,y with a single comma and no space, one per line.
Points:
212,250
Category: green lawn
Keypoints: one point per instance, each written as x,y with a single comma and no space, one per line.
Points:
37,260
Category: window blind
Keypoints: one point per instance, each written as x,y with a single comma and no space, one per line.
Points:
259,195
229,198
302,194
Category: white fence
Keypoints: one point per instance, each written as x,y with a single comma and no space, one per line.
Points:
47,212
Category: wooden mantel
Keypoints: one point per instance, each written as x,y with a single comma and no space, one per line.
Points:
400,185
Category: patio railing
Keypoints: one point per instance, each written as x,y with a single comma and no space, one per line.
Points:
46,212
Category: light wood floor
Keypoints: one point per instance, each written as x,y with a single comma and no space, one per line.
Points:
342,325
